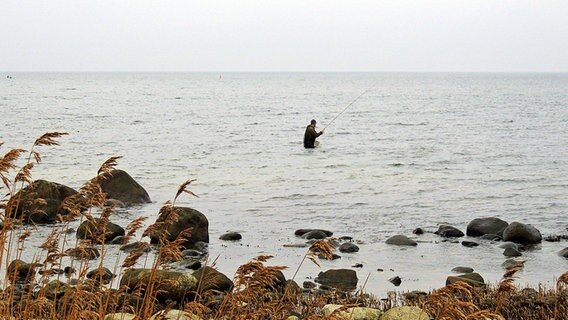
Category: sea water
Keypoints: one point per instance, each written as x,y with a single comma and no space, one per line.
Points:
416,150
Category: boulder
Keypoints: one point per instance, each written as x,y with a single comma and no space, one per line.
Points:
83,253
522,233
101,275
344,279
563,252
99,230
447,231
40,202
400,240
406,313
169,226
55,289
352,313
119,185
21,271
168,285
482,226
473,279
211,279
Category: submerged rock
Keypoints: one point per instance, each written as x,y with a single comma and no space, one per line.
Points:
400,240
231,236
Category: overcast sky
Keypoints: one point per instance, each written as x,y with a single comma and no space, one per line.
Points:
292,35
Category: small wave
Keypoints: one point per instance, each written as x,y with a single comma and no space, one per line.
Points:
405,124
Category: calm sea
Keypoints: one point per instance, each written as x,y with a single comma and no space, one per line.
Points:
417,150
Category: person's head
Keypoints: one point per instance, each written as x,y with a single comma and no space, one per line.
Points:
313,122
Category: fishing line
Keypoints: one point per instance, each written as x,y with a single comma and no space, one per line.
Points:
349,105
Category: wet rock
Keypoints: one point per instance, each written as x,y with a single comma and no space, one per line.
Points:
522,233
473,279
396,281
102,275
21,271
83,253
192,253
398,313
40,202
315,234
169,285
301,232
348,247
211,279
482,226
98,229
400,240
357,265
119,185
563,252
469,244
447,231
193,264
352,313
510,252
140,245
418,231
174,220
509,263
231,236
344,279
462,270
55,289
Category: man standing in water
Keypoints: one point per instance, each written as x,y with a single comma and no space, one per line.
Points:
311,135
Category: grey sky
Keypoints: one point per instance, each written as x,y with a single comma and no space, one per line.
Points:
293,35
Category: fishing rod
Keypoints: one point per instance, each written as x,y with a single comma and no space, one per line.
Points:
349,105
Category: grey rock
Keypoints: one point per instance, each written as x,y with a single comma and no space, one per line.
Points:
522,233
401,240
482,226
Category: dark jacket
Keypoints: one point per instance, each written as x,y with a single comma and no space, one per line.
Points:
310,136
